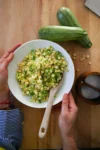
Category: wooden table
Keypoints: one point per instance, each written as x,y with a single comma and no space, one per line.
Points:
19,22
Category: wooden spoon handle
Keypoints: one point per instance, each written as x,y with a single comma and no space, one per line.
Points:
46,118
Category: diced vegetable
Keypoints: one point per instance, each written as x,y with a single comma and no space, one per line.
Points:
37,76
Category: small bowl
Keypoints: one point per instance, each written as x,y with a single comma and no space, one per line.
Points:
20,53
88,87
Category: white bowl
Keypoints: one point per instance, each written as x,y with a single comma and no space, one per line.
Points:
20,53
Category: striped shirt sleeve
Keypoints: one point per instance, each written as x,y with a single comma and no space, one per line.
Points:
11,129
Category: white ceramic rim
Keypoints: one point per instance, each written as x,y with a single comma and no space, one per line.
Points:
51,43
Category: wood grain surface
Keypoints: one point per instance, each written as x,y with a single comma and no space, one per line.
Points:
19,22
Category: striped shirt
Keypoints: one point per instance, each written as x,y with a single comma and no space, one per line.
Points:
11,129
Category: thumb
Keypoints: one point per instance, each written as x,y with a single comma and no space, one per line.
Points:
65,102
73,107
72,101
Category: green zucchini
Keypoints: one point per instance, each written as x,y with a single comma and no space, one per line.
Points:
61,33
67,18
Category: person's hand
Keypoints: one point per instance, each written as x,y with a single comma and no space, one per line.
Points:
4,62
68,116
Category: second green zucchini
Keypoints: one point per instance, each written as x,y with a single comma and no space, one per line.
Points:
66,18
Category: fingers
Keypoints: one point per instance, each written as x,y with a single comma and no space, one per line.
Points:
13,49
9,52
68,104
65,102
6,62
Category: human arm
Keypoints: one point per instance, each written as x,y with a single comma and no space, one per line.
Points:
4,89
10,119
66,122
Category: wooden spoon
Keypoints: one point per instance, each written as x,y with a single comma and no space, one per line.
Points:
46,118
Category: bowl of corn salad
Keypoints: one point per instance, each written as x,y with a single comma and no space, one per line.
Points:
38,66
